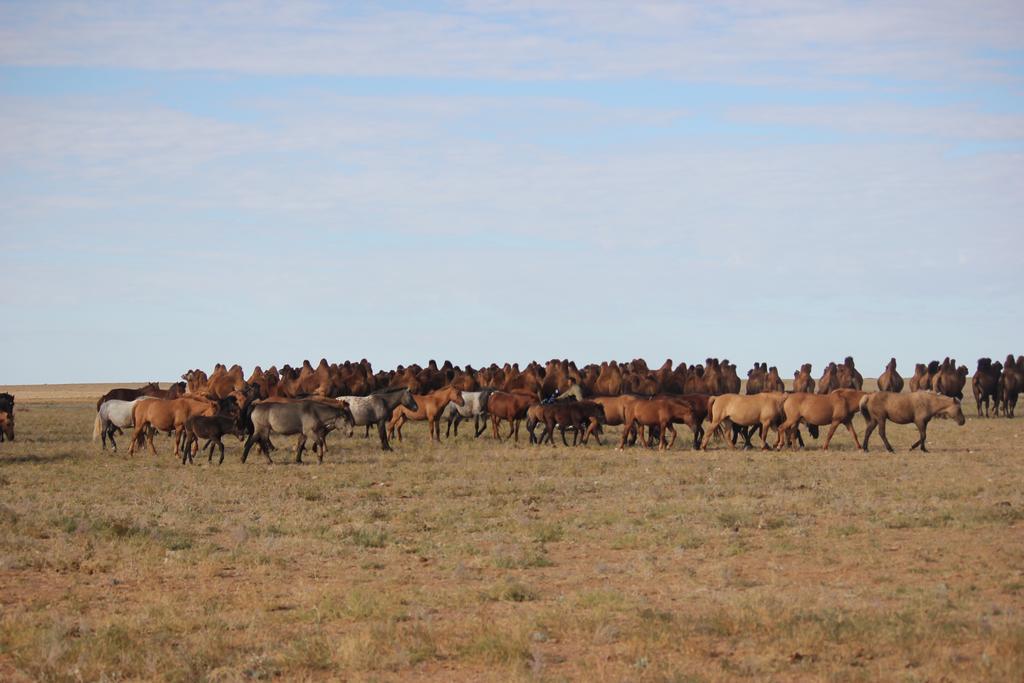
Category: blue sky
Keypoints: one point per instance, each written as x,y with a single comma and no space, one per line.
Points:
188,183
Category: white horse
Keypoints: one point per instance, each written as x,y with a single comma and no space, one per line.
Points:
112,416
475,407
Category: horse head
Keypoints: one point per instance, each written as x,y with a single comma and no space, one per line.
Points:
408,401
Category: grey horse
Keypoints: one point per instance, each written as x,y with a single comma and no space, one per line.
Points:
377,408
305,417
475,407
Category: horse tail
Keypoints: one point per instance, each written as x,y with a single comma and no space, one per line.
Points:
864,406
96,426
711,404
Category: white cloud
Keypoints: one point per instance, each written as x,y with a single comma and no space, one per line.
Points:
703,41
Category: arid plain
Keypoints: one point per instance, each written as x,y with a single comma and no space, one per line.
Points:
474,560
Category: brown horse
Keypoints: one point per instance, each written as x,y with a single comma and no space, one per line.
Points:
660,413
168,415
835,408
6,426
511,406
152,389
918,407
583,417
762,410
890,380
428,407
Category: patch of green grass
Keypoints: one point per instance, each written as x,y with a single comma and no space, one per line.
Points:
368,537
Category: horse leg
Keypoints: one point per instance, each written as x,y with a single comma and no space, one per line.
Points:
922,428
151,432
625,433
565,443
221,445
661,436
248,446
853,433
881,433
831,430
517,421
382,432
494,427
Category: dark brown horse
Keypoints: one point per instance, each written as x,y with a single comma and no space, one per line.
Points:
152,389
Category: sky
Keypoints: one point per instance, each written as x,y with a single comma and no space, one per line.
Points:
784,181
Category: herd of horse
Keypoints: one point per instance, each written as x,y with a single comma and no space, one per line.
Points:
310,402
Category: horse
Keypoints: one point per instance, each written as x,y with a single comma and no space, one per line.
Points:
6,426
985,384
113,416
583,417
305,417
474,406
7,403
835,408
169,415
890,380
659,412
511,406
211,428
918,407
377,409
152,390
764,410
428,407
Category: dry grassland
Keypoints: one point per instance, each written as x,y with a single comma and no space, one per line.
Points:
479,561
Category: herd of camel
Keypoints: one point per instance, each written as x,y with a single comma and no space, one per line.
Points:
310,402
